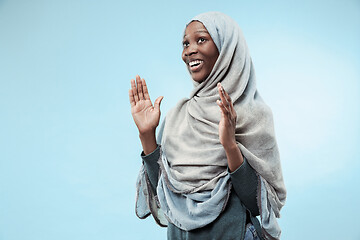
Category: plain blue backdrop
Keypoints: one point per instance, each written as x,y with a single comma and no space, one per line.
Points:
69,150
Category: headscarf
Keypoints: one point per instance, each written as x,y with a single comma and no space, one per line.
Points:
193,159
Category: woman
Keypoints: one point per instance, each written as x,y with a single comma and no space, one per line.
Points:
215,164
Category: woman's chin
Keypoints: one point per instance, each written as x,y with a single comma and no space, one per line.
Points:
198,77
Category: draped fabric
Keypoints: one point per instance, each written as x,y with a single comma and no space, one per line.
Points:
193,160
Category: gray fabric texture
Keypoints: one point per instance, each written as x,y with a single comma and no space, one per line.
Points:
194,160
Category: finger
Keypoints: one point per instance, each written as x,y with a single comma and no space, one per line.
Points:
230,106
227,97
139,87
222,96
220,92
224,111
229,103
134,91
145,90
231,113
131,98
158,102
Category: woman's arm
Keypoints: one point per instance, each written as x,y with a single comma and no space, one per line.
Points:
146,115
245,184
243,176
227,127
152,167
234,157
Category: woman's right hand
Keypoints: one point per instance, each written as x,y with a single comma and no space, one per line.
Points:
146,115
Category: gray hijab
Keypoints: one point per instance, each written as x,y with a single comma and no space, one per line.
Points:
193,158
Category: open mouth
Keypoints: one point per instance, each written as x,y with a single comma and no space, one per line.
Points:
195,65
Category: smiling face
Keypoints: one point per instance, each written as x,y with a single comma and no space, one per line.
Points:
199,51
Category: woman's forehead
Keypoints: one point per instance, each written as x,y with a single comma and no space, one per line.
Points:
214,23
195,27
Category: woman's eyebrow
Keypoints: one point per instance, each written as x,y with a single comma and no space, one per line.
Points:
200,31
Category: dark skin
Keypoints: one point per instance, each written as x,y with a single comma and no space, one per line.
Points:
199,54
199,51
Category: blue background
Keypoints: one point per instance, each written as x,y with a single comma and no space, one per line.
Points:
69,150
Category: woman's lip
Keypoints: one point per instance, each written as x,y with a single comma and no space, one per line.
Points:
196,68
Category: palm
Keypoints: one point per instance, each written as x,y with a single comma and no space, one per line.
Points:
227,122
226,130
146,115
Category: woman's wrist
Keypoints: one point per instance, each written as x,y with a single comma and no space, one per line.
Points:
230,146
234,156
148,141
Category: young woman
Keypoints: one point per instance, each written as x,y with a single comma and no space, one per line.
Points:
215,164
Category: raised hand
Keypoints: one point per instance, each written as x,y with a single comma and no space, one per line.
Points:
227,123
146,115
227,126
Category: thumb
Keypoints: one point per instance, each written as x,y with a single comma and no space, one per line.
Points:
157,103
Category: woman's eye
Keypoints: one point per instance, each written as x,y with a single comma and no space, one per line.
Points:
185,44
201,40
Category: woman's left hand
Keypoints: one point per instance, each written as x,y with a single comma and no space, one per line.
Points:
227,123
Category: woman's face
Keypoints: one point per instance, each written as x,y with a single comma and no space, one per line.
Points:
199,51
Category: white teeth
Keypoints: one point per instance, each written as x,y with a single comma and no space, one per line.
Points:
192,63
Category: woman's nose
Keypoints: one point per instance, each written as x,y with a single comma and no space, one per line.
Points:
191,49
